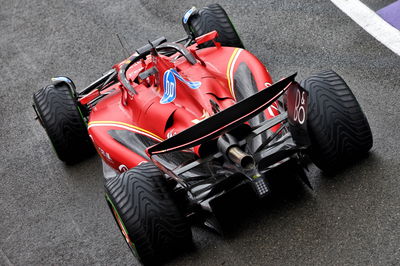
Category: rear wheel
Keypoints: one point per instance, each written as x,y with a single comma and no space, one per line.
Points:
214,17
338,129
61,117
143,206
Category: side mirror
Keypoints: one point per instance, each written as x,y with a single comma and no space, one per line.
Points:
211,36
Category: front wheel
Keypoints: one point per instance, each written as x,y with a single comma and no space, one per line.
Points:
143,207
214,17
338,129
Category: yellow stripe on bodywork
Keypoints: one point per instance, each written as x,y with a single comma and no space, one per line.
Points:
228,70
127,125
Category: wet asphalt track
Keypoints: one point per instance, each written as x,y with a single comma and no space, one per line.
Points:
53,214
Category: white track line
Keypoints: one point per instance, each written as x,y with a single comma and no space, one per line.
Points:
371,22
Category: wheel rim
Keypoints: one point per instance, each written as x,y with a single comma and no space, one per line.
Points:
122,227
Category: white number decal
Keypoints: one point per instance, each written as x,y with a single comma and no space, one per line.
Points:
299,110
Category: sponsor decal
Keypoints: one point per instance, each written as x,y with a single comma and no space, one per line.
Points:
169,82
192,84
169,87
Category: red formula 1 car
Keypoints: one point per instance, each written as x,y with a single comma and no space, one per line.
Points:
179,124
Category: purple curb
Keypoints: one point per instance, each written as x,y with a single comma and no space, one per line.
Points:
391,14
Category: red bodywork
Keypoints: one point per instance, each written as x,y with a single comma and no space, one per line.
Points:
144,114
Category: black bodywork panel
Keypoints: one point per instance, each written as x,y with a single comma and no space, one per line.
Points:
245,86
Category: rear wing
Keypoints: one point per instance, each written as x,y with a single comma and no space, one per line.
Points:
225,120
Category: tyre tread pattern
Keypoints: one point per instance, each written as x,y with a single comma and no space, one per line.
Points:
339,130
63,123
150,215
214,17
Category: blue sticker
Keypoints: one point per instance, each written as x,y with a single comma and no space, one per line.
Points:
169,87
187,14
192,84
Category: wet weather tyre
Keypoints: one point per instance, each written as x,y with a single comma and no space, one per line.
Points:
338,129
148,217
60,116
214,17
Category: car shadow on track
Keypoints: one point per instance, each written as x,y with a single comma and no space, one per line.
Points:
242,213
240,209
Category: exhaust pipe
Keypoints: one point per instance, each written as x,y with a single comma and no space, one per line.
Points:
239,157
228,145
